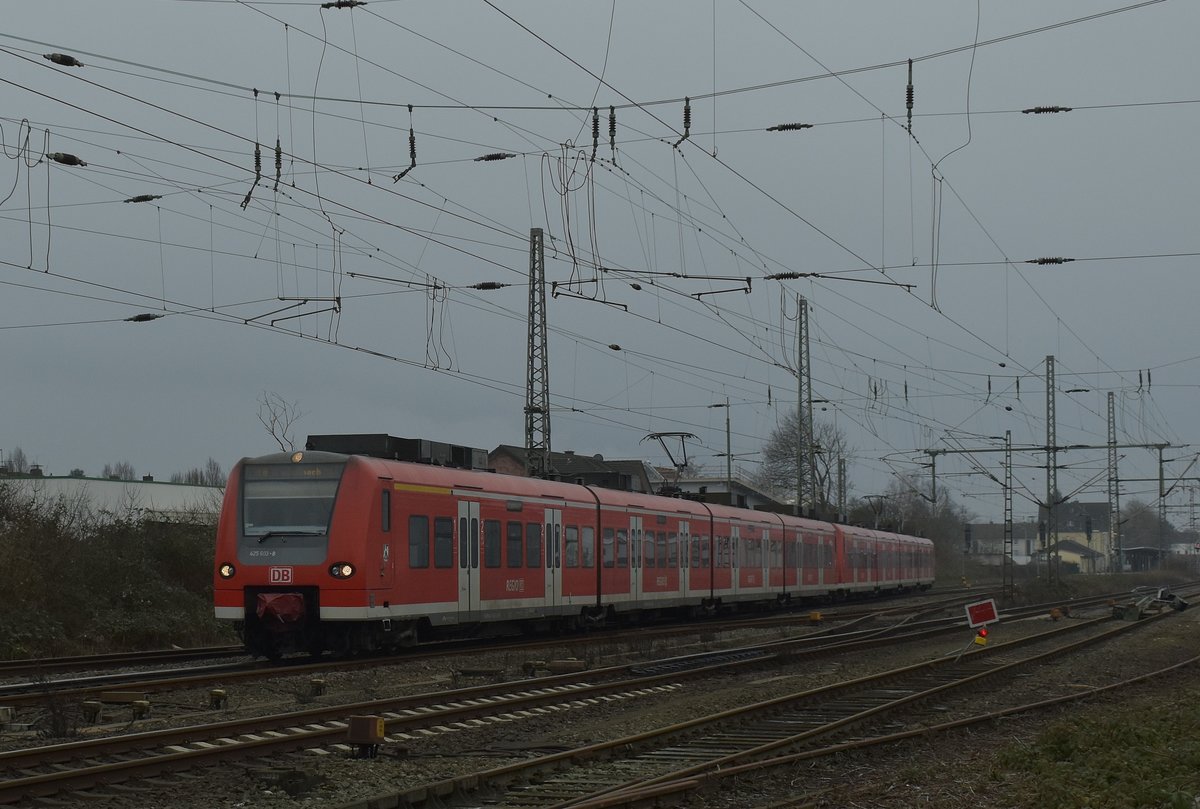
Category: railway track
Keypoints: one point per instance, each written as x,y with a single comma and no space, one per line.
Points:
78,765
30,693
46,665
645,769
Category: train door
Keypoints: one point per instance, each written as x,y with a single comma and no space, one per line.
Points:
386,563
732,557
554,540
635,558
685,543
468,558
766,558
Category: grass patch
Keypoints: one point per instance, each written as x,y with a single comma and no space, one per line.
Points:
1141,753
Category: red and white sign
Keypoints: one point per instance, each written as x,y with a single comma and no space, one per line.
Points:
982,613
283,575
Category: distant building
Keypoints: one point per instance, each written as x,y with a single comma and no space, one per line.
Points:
635,476
1083,538
120,499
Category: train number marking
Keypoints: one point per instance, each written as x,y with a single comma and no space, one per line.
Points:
281,575
514,585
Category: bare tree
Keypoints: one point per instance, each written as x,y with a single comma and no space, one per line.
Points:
210,474
279,416
778,472
122,470
17,464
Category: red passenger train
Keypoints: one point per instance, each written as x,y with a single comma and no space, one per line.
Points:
324,551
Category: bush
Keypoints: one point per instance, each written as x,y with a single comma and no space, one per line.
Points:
77,582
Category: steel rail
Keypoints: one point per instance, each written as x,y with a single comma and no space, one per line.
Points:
491,784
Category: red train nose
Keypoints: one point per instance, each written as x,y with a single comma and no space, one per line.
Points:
279,611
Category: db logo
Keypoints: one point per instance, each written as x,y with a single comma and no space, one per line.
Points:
281,575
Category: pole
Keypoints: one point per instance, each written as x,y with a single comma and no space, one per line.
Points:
1162,508
841,489
728,455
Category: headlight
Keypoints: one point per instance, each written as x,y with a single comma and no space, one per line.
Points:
226,571
341,570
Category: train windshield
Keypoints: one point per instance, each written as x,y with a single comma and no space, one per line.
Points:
289,499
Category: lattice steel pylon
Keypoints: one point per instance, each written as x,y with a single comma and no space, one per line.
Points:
1051,542
806,473
1009,564
537,380
1117,557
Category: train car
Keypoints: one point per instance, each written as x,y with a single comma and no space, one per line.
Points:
327,551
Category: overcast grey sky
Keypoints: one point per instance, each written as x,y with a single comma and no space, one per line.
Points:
351,294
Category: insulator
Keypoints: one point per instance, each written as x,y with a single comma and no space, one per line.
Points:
66,60
66,159
1050,260
595,131
612,125
784,276
344,4
144,198
687,121
278,159
908,97
1041,110
257,160
143,317
788,127
412,146
614,346
494,156
488,285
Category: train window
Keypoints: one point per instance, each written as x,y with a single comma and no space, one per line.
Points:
516,544
418,541
491,543
622,548
462,542
695,552
587,547
722,559
662,550
557,545
572,554
443,542
673,550
533,544
609,548
385,516
705,552
649,545
276,499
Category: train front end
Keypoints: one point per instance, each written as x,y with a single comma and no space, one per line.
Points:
273,567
